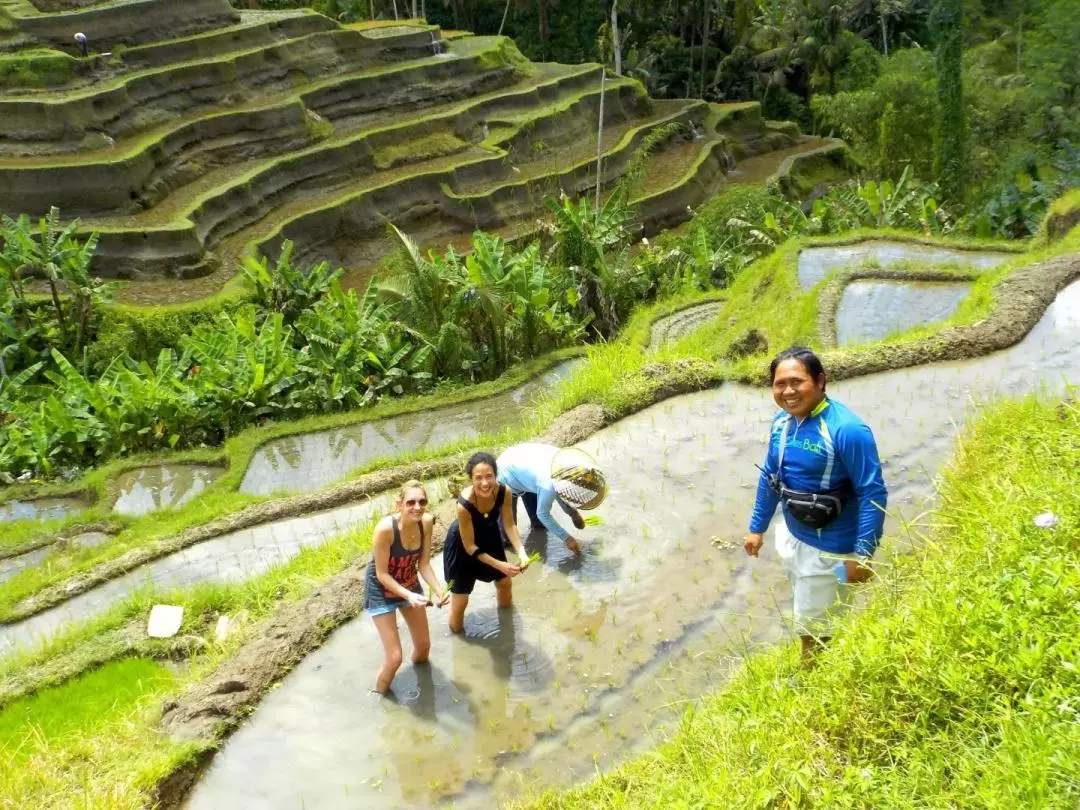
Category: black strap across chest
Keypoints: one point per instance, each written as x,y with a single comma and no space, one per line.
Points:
397,537
475,512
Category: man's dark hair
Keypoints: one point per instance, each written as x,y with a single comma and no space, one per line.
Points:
481,458
810,361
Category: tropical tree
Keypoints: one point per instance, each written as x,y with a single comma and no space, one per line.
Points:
947,24
430,293
284,287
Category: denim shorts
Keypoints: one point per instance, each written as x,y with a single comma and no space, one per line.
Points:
388,607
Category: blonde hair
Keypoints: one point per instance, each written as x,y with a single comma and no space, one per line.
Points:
412,483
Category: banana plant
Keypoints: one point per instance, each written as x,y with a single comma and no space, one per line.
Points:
285,288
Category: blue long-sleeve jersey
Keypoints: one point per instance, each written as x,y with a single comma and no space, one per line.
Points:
829,447
527,468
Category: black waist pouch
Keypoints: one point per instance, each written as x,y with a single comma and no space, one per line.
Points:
815,509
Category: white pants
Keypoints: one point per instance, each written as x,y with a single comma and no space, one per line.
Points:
820,598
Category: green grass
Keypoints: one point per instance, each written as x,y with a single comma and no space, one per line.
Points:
1062,215
429,146
957,686
36,68
73,746
98,698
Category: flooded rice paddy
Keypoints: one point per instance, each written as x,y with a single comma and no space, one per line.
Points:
148,489
873,310
40,509
816,263
10,566
313,460
600,655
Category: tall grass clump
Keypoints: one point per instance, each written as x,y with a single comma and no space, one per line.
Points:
958,685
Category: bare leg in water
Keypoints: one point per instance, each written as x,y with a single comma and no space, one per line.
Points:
416,619
386,624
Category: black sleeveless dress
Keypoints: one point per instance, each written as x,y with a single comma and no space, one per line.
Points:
458,567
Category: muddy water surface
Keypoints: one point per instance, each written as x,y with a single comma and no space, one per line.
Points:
600,655
308,462
873,310
817,262
149,489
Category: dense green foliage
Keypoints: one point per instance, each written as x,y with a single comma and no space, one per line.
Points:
956,686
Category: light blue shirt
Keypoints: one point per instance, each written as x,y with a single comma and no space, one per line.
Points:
527,468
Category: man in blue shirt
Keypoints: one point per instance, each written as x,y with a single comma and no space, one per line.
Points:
534,472
822,468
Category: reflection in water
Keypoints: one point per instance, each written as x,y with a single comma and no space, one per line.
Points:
40,509
817,262
308,462
148,489
604,654
873,310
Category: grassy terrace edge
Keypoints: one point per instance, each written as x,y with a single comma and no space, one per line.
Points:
234,456
912,705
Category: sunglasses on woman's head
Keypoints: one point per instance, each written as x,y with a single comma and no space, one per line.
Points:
416,502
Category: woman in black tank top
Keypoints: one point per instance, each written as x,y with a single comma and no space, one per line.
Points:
474,547
401,554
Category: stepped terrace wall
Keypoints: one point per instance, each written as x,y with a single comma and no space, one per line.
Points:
141,101
127,23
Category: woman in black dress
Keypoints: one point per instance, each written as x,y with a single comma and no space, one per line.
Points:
474,547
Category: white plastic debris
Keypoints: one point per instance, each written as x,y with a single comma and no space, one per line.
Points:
221,632
165,621
1047,520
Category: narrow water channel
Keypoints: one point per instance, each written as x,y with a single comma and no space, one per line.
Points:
313,460
599,656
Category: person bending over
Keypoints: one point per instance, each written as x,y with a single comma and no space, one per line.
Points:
543,475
